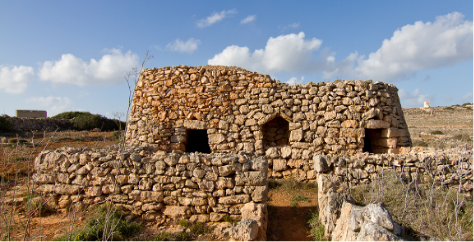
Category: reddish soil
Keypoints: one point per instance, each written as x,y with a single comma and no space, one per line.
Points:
287,222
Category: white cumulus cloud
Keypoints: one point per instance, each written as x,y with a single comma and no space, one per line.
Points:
214,18
446,41
53,105
184,47
290,53
111,68
248,19
414,99
15,79
295,80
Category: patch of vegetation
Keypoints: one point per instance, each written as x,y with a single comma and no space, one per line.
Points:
163,236
430,211
107,220
448,108
436,132
227,218
6,124
196,228
316,228
462,137
468,103
290,184
420,143
298,198
88,121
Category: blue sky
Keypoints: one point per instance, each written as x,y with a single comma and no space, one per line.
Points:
73,55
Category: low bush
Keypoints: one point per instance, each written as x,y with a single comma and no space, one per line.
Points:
436,132
316,228
88,121
420,143
6,124
107,220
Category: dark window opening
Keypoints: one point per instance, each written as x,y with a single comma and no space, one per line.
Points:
197,141
370,141
276,133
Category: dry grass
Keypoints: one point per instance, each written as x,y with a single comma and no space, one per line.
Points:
427,211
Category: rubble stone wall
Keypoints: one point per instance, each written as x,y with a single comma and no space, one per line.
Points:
40,124
449,167
154,184
246,111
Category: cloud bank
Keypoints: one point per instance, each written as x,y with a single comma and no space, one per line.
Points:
214,18
184,47
110,69
414,47
290,53
15,80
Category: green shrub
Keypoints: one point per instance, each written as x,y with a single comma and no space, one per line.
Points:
436,132
448,108
109,219
420,143
316,228
462,137
88,121
6,124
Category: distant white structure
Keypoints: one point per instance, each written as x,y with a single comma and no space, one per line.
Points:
426,104
31,113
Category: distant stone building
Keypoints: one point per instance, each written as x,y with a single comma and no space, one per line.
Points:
217,109
30,113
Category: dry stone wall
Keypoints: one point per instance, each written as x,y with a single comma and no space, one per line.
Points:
239,110
154,184
40,124
449,168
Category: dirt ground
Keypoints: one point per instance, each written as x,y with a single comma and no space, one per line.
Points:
287,221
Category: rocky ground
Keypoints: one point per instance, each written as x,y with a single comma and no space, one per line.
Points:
440,127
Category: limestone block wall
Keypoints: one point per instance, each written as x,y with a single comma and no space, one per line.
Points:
449,168
40,124
230,109
154,184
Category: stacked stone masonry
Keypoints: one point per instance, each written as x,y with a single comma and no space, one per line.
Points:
40,124
449,168
154,184
241,110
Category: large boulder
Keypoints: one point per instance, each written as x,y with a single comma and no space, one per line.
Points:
372,222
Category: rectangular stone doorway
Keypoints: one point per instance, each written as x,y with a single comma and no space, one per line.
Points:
197,141
370,140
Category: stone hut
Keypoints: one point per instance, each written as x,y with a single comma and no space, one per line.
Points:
218,109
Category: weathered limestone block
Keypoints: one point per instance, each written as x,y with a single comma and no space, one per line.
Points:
251,178
234,199
279,164
376,124
260,194
320,163
296,135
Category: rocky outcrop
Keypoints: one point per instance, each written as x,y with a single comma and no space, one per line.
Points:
370,223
